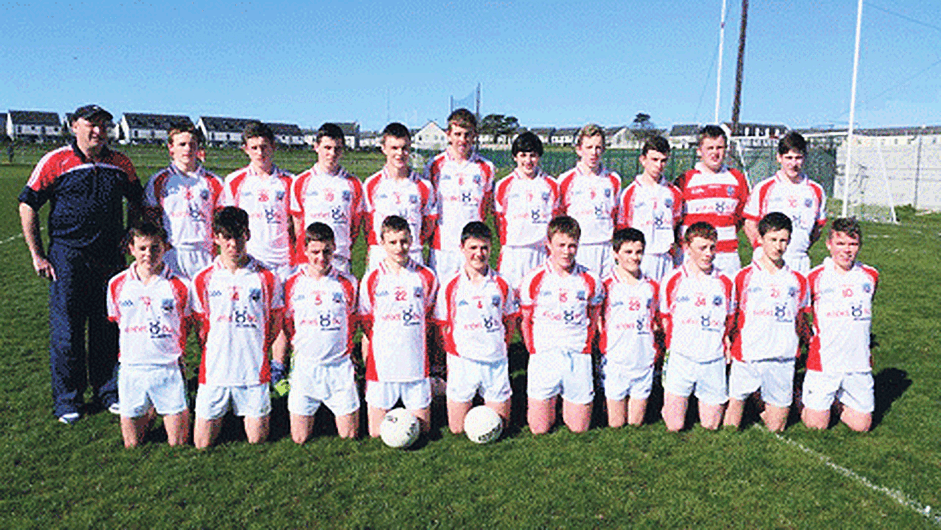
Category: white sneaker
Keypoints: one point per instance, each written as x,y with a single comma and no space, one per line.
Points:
115,408
69,418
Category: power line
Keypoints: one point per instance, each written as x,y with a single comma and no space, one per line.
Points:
904,17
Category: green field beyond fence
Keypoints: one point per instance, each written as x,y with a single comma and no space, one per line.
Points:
54,476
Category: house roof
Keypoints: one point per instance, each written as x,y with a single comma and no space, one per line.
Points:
900,131
568,131
685,130
349,128
221,124
286,129
542,131
35,117
164,122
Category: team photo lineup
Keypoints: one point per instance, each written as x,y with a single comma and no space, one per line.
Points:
611,288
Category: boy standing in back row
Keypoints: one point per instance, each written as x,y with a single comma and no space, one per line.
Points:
463,182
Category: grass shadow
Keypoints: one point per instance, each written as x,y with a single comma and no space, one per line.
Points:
890,384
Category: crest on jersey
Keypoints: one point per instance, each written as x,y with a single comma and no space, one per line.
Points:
607,193
254,295
346,195
204,195
730,191
867,288
167,305
791,292
581,295
413,199
545,196
495,301
808,203
476,179
717,300
279,196
418,292
337,298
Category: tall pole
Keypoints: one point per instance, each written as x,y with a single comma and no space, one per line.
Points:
739,69
719,67
849,132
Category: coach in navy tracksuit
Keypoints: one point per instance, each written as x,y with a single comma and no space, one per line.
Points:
85,184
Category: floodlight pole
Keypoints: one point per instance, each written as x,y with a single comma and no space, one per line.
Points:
719,67
849,132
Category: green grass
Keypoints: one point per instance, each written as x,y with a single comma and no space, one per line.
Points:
52,476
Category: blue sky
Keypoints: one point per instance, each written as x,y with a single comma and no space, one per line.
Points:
545,62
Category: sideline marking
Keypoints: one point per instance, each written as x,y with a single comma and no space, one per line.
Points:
896,495
11,238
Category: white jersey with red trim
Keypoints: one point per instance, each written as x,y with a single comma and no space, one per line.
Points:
473,315
842,309
655,210
320,315
768,305
716,198
560,305
151,318
237,310
464,193
524,207
411,198
592,200
695,308
804,202
396,306
267,201
627,318
185,202
335,200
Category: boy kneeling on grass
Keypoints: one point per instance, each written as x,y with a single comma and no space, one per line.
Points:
151,307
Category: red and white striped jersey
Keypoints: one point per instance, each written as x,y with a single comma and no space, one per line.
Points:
267,201
560,307
592,200
151,318
695,309
654,210
524,207
320,316
412,198
335,200
768,306
395,308
237,310
464,194
842,309
716,198
805,203
473,316
627,320
185,202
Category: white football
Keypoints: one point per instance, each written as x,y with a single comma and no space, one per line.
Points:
482,425
399,428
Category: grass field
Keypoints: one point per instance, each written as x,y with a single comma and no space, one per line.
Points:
53,476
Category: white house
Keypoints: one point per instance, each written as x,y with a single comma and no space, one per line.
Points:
138,127
369,139
543,133
751,135
563,136
684,136
33,126
431,136
222,131
350,133
287,134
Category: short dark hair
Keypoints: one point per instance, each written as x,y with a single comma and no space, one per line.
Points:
655,143
180,128
847,225
463,118
255,129
773,222
331,130
318,231
396,130
527,143
564,224
711,131
701,229
792,141
394,223
476,230
625,235
146,229
230,221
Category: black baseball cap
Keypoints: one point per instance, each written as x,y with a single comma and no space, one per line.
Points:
91,111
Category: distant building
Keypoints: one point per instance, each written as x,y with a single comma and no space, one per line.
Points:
138,128
431,136
564,136
684,136
369,140
350,133
544,134
33,126
752,135
3,130
220,131
287,134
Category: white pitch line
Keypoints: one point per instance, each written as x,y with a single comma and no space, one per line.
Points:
922,509
11,238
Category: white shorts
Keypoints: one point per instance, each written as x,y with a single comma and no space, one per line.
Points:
331,384
415,395
553,373
656,266
727,263
186,262
445,263
775,378
143,386
619,380
466,377
597,257
856,390
685,376
515,262
253,401
376,254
